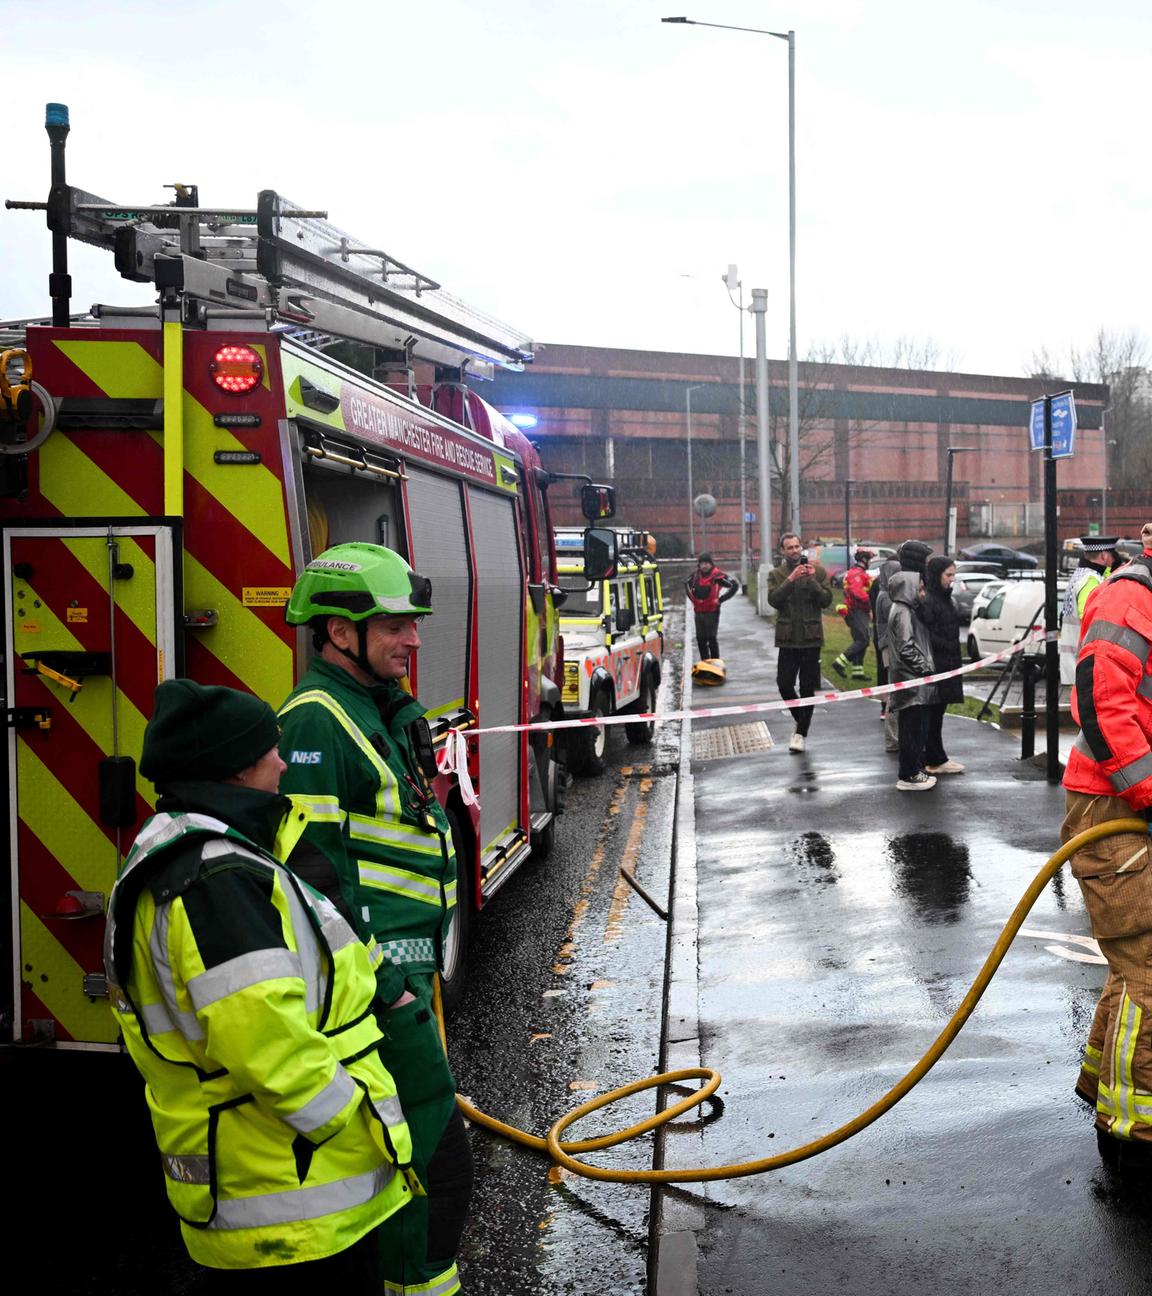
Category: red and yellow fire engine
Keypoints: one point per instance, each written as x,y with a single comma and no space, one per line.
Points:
166,472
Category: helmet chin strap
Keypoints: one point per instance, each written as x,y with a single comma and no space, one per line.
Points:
360,656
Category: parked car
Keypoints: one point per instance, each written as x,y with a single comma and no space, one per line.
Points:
836,560
1008,558
1003,611
965,588
965,566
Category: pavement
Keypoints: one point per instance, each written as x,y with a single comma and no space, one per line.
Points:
825,927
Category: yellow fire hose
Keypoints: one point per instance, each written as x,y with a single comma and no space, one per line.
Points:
561,1152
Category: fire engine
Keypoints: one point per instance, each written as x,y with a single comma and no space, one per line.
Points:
613,632
165,473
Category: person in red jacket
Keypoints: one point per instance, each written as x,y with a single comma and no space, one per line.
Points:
856,586
1109,776
707,588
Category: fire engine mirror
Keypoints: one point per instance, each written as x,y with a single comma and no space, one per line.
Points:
599,552
598,503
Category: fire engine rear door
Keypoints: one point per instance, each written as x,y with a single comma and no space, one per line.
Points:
90,630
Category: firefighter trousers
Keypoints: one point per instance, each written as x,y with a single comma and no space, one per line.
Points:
1113,874
419,1243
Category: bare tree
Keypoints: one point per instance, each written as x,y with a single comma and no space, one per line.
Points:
818,381
1119,360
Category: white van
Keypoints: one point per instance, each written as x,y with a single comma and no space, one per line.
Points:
1004,611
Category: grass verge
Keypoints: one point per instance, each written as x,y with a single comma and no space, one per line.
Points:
837,639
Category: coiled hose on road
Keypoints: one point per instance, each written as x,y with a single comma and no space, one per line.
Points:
562,1152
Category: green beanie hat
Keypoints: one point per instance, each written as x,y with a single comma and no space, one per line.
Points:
205,733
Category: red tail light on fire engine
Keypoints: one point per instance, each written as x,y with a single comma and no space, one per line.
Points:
236,369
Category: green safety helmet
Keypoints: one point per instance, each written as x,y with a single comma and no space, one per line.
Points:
358,581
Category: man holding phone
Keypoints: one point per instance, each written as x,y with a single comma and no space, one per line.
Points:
799,590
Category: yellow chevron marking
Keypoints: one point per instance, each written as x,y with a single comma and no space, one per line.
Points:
121,369
250,492
60,823
249,648
56,979
76,486
136,597
92,709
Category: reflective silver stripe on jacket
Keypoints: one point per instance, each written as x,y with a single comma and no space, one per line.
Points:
302,1203
1144,688
327,1104
187,1169
418,950
1081,745
389,1111
1122,636
1134,772
242,972
186,1022
414,886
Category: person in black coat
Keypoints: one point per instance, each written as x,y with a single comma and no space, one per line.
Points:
939,614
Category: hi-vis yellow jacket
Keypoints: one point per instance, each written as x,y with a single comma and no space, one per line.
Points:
245,1002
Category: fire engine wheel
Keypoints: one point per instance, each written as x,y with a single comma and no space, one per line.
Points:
643,731
586,753
455,953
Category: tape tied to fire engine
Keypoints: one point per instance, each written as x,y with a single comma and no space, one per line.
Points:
452,756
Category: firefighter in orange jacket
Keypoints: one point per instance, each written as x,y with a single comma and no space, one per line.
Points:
1109,776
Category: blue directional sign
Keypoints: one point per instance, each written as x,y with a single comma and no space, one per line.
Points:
1063,425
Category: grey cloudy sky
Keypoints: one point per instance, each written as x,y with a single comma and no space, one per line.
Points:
974,173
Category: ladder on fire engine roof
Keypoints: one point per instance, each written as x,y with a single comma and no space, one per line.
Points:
287,268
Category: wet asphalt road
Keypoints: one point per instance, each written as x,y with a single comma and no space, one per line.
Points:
841,924
565,1001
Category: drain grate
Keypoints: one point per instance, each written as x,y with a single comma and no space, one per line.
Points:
731,740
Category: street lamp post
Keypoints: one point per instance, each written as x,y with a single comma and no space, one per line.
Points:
691,493
730,279
1108,441
793,380
949,538
759,309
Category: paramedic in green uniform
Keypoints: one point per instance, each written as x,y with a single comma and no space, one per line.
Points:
356,743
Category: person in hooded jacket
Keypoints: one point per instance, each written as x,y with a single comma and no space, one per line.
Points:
943,621
883,611
911,657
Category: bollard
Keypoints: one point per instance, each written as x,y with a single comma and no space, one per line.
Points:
1029,669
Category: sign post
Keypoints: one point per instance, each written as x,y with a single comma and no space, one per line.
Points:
1052,428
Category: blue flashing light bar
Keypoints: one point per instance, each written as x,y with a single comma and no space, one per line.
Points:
55,114
524,421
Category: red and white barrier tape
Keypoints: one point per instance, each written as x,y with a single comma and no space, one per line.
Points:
454,748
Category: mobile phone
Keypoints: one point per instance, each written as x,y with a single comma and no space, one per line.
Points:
803,555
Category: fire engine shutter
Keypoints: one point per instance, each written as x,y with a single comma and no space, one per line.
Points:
439,551
500,591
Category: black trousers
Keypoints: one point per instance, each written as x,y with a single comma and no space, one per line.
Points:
912,722
858,625
798,666
707,628
934,753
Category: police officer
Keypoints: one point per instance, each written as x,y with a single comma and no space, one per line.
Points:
1109,776
245,1003
353,738
1097,557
